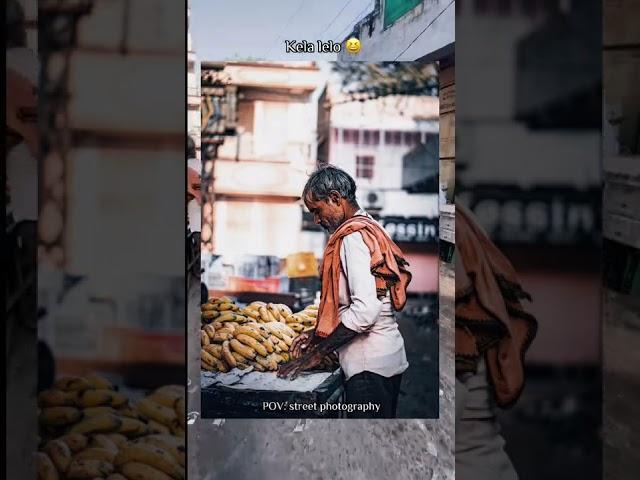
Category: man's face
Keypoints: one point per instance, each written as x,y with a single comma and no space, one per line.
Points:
328,213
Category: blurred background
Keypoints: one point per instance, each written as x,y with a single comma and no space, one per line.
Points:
529,166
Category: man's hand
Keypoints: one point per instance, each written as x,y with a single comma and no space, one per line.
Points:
193,185
300,344
293,368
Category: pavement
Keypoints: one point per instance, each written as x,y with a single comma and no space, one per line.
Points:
326,449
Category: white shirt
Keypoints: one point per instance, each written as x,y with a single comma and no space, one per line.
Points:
380,347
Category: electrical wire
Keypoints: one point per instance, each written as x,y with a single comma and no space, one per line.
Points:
334,19
425,29
284,29
353,23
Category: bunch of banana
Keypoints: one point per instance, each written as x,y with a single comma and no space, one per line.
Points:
262,346
304,320
221,310
262,312
91,431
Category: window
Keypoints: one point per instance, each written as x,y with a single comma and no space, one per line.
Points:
393,138
336,135
411,138
370,137
364,166
351,136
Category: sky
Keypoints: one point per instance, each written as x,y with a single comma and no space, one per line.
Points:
256,29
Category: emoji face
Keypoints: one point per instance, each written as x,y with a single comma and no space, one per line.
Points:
353,46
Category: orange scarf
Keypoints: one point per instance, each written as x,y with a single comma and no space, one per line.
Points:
490,320
388,266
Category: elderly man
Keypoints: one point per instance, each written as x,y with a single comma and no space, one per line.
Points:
364,280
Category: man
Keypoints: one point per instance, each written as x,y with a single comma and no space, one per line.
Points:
364,280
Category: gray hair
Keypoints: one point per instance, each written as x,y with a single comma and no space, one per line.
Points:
328,178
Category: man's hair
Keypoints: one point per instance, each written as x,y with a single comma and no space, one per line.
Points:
191,147
328,178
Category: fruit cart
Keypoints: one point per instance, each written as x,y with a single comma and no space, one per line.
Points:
263,394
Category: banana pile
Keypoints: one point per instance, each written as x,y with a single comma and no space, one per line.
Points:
258,335
88,430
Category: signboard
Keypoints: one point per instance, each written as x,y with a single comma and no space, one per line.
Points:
394,9
411,229
542,215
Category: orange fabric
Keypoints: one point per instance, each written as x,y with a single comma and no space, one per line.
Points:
490,320
388,266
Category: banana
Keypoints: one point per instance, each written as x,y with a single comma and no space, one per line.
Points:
150,455
254,314
178,431
311,313
56,398
287,339
74,441
205,366
313,306
244,350
72,384
204,338
95,398
157,427
88,469
257,303
209,314
93,411
105,422
276,358
251,331
171,389
241,318
141,471
96,453
226,317
209,330
222,336
117,438
166,398
264,314
130,412
157,412
308,329
257,366
296,327
59,453
266,363
226,353
175,446
285,356
59,416
268,344
214,349
103,441
206,357
253,343
99,383
131,427
225,306
207,307
221,366
45,467
116,476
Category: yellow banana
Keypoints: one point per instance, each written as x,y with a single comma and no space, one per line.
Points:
204,338
257,366
59,453
244,350
151,455
105,422
206,357
59,416
266,363
131,427
45,468
226,317
268,344
251,331
174,389
56,398
96,453
157,412
222,336
117,438
296,327
99,383
130,412
75,441
93,411
209,330
254,314
72,384
103,441
95,398
226,353
253,343
214,349
157,427
88,469
142,471
166,398
285,356
174,445
276,358
207,307
205,366
225,306
209,314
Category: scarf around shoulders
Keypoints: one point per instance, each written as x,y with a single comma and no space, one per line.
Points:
388,266
489,318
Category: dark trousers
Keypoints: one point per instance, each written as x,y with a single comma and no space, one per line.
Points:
370,387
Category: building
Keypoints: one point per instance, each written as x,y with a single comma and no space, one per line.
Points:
193,90
389,145
259,171
405,30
